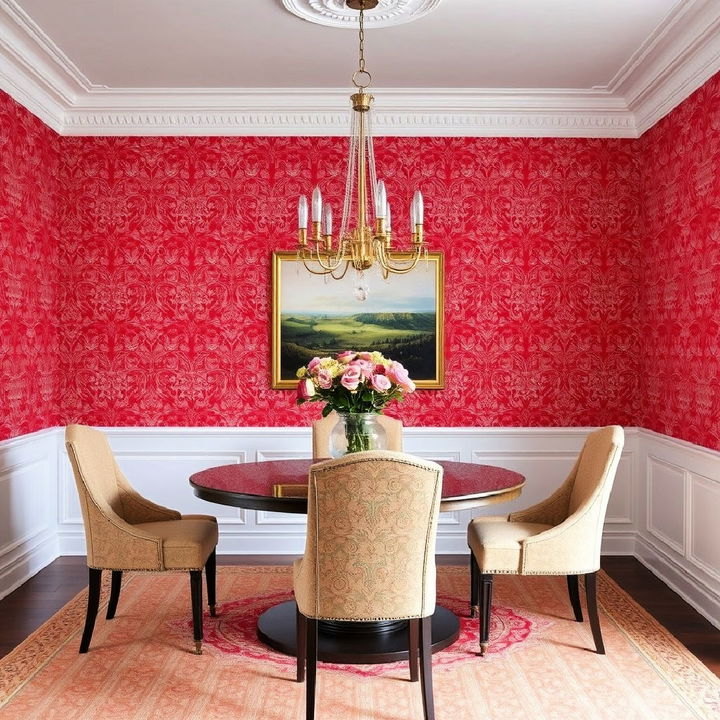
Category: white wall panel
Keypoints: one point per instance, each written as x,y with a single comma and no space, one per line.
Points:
28,507
666,502
664,507
704,544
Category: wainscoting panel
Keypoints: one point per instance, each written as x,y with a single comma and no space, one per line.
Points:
28,507
666,502
159,461
679,485
664,507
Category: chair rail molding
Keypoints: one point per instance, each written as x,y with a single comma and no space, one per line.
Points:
680,55
663,508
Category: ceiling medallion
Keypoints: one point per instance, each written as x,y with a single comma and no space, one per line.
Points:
336,13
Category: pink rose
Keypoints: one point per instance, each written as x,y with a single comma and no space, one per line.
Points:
324,378
313,364
351,377
380,383
366,368
346,356
305,389
365,356
380,369
399,375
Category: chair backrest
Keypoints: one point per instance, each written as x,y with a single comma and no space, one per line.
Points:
370,548
322,428
595,468
576,511
95,469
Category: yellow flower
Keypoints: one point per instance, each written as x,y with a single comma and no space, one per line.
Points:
301,372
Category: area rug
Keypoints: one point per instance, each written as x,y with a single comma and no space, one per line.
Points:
540,663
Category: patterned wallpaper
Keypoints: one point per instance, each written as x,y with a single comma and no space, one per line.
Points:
566,261
680,305
29,380
166,244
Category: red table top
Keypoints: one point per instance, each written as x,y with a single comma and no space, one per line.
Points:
234,484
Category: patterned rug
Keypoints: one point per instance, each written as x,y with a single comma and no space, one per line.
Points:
540,663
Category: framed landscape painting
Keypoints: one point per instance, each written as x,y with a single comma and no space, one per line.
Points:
401,317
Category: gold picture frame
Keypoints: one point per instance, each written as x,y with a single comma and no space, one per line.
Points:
320,317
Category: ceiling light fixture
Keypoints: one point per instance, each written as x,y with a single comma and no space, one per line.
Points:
360,244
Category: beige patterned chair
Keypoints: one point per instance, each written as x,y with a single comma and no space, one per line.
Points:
369,554
124,531
559,536
322,428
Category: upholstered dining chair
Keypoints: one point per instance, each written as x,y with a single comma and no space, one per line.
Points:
369,554
125,531
322,428
559,536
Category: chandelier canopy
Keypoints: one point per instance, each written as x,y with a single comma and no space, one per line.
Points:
360,244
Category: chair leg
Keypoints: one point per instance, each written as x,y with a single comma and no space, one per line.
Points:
311,640
115,583
474,585
196,598
94,577
413,647
301,642
426,667
486,588
574,592
210,573
591,596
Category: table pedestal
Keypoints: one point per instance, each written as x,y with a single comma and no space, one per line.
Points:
354,643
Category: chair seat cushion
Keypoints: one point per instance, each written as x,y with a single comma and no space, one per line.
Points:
186,543
497,543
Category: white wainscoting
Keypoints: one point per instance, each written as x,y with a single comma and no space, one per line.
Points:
28,507
664,508
158,461
678,486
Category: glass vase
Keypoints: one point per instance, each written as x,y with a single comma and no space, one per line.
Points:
355,432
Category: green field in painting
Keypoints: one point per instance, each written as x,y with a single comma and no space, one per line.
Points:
406,337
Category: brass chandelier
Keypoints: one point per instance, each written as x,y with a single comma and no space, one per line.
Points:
360,244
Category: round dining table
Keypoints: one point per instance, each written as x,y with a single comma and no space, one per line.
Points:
281,486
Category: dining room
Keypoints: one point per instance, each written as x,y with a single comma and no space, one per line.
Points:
466,247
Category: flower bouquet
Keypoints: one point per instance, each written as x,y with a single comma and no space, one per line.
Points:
354,384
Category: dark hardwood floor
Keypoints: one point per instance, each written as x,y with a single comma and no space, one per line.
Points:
25,609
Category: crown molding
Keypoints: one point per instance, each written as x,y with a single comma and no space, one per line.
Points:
314,112
678,58
682,53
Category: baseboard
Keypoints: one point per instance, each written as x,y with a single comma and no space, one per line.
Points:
677,577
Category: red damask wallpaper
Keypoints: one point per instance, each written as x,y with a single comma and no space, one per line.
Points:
29,380
680,303
581,275
165,247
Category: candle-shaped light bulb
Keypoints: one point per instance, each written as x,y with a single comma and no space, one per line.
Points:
418,207
316,205
380,200
327,212
302,213
388,217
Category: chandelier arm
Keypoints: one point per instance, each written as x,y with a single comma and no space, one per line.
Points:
332,264
385,260
343,273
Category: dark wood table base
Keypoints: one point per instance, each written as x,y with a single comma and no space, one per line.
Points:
354,643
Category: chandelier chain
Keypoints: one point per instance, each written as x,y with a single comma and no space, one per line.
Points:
361,65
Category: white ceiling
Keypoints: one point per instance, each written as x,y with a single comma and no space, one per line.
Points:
469,67
257,43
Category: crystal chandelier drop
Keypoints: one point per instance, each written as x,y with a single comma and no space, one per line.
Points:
360,244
